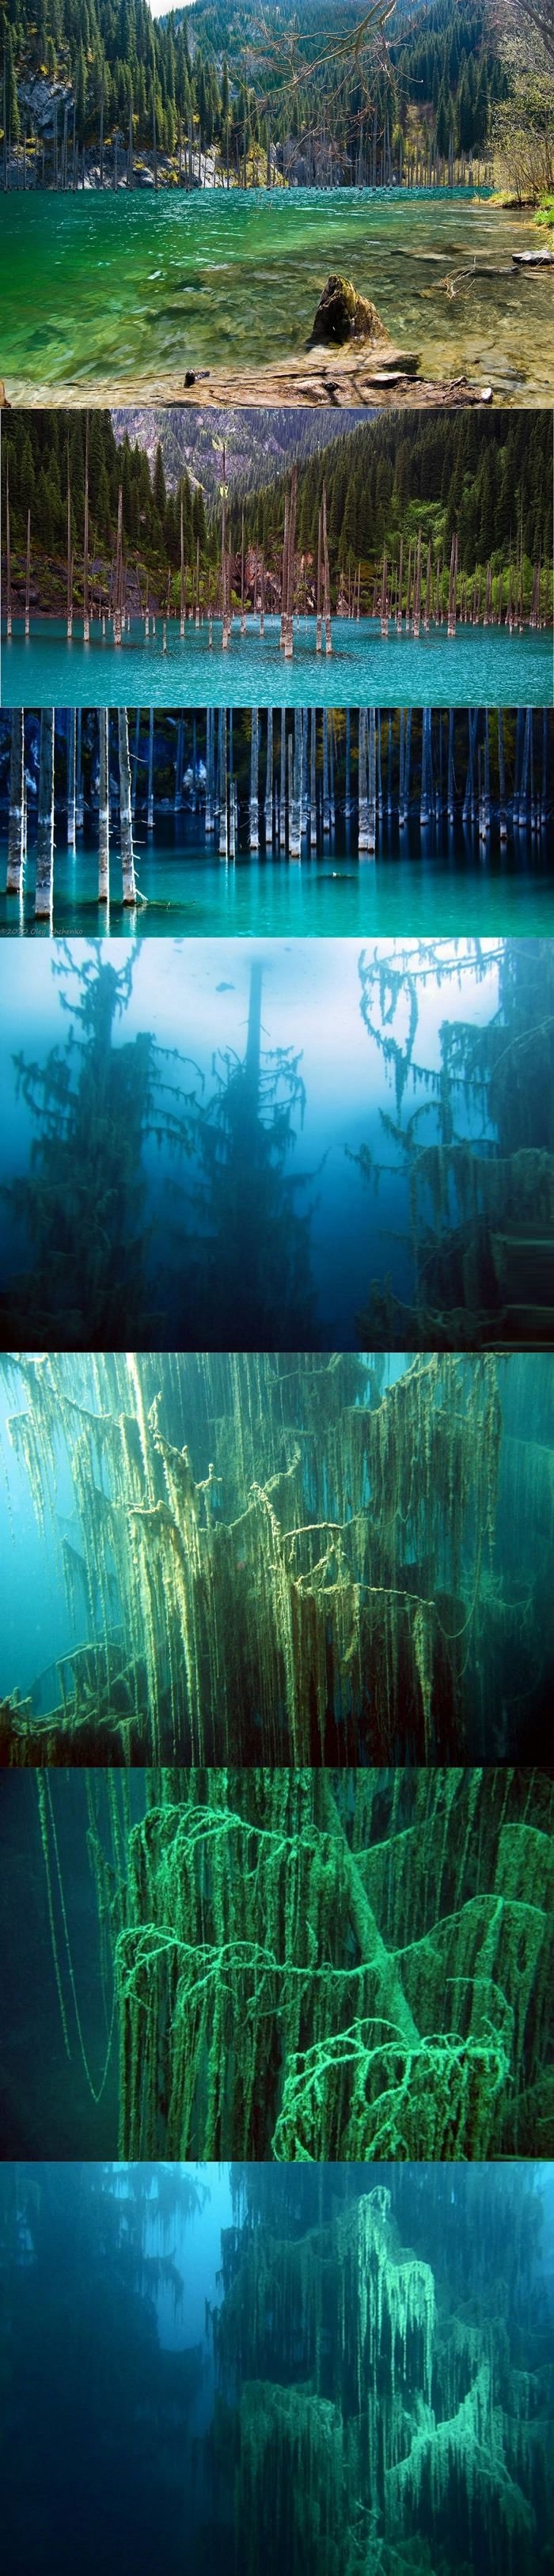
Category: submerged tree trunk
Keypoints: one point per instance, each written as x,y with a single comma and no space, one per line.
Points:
104,809
127,856
254,834
269,781
150,808
16,823
45,828
71,775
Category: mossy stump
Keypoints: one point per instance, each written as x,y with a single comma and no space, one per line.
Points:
344,315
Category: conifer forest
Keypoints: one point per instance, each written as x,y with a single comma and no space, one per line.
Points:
276,1288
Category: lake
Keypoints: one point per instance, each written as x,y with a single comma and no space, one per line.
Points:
107,299
480,666
439,880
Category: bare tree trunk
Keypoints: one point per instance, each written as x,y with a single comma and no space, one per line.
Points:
326,574
222,783
269,782
45,828
283,780
28,577
254,832
104,809
71,775
127,855
313,781
295,805
150,807
69,560
85,547
501,777
182,621
451,779
16,821
118,590
363,820
371,826
8,552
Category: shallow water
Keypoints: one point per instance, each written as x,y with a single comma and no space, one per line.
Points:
237,1232
438,881
481,666
111,293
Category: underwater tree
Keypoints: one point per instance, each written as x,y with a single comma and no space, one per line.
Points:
253,1264
82,1205
291,1558
107,1253
386,2410
308,1965
481,1193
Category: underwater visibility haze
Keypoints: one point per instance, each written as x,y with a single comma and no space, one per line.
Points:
276,1557
295,1144
367,2391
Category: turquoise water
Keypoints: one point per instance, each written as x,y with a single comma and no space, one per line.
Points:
436,881
481,666
109,295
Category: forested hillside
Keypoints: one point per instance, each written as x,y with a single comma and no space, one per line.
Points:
248,83
491,480
486,478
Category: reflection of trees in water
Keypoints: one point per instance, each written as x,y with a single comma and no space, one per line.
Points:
481,1193
103,1263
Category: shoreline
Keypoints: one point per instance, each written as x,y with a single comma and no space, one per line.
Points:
348,378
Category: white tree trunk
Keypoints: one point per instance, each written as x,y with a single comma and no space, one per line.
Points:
16,823
45,829
104,809
127,856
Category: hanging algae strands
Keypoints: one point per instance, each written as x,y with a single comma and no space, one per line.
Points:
397,2317
269,1999
316,1590
343,2299
481,1200
49,1840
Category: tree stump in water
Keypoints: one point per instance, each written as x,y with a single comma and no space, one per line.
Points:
344,315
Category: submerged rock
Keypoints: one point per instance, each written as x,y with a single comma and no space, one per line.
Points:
344,315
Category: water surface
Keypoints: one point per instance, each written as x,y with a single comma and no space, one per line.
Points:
480,666
106,297
438,880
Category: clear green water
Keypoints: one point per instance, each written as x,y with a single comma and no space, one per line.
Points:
110,294
483,666
435,883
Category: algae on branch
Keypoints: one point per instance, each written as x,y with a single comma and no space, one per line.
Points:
344,2311
290,1556
268,1999
481,1192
